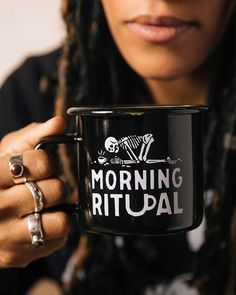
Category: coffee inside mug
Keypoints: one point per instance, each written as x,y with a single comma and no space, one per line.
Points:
140,168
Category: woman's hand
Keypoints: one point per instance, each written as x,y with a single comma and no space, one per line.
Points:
17,202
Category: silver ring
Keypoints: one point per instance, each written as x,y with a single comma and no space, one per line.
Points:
37,195
35,230
17,169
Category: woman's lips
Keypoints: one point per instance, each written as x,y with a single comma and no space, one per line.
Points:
159,29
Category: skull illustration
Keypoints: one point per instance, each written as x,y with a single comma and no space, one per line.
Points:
111,145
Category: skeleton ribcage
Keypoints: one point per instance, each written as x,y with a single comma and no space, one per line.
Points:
133,141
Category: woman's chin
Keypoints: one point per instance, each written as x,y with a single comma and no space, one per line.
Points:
159,71
162,75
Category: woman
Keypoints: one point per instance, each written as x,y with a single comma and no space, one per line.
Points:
178,52
138,51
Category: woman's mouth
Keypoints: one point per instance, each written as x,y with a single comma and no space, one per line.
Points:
159,30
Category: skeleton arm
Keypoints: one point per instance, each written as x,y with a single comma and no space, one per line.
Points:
147,141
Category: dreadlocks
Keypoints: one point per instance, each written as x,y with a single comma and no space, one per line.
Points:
92,72
215,261
83,59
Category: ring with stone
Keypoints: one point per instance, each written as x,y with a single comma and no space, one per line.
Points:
36,194
17,169
35,230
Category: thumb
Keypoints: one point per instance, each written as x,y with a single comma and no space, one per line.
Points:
27,137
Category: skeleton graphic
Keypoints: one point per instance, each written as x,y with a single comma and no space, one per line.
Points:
131,144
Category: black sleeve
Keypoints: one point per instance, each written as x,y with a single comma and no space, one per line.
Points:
7,281
28,94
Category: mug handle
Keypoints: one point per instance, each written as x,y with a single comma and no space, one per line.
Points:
60,139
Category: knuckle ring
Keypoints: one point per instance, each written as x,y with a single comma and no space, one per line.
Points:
37,195
17,169
35,230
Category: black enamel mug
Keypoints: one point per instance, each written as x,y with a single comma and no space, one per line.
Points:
140,168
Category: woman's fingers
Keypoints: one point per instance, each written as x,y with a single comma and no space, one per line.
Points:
55,225
26,253
27,137
16,207
20,251
38,165
20,199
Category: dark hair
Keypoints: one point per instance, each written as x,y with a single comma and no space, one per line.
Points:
92,72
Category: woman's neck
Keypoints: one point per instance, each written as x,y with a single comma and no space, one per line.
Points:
192,89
